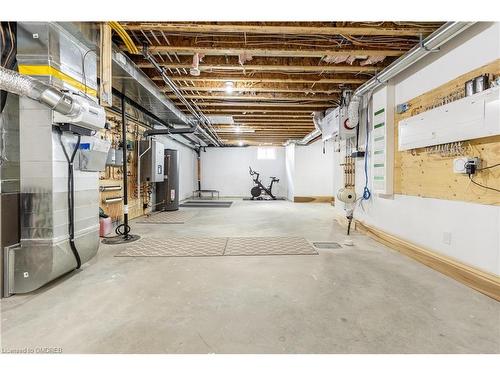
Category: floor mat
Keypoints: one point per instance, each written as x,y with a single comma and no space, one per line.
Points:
217,246
269,246
167,217
175,247
207,204
327,245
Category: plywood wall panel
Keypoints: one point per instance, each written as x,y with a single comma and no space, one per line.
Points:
423,174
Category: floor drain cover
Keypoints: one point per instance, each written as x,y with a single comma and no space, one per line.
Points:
326,245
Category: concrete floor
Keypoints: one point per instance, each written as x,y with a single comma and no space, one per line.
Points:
361,299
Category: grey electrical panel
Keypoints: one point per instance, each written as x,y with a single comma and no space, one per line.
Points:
152,162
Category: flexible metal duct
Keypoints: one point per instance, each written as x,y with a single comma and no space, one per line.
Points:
431,44
23,85
353,111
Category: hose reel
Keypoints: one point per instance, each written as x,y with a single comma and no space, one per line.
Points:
346,195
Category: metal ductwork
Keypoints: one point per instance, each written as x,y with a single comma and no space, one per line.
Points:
74,108
204,125
130,81
429,45
54,57
32,88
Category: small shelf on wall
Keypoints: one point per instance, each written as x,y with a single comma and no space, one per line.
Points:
382,151
472,117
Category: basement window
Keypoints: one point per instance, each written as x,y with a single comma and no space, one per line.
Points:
266,153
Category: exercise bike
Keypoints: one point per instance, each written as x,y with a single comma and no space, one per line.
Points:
259,188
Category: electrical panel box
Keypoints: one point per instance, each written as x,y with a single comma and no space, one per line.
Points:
152,162
472,117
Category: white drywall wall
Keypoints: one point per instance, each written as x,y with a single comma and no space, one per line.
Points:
474,228
290,170
226,169
314,170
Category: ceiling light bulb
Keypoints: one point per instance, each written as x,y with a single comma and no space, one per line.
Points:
229,86
237,129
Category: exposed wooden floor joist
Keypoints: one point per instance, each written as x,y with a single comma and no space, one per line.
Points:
316,52
279,72
257,29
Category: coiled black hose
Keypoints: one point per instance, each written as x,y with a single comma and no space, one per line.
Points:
124,232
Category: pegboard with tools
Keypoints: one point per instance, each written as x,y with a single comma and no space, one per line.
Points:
111,179
429,172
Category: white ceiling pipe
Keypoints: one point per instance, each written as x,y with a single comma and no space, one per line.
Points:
429,45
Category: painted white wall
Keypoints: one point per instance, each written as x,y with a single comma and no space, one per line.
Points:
226,169
187,166
314,170
474,228
290,171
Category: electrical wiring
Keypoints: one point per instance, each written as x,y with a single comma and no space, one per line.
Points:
124,37
84,56
366,191
483,186
71,197
491,166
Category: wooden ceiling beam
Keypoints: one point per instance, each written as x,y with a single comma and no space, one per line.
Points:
262,104
262,111
269,52
254,89
318,81
284,132
278,30
267,117
256,121
317,98
270,68
265,126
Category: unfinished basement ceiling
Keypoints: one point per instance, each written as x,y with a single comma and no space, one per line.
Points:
269,76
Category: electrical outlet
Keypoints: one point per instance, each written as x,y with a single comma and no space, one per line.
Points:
463,165
447,238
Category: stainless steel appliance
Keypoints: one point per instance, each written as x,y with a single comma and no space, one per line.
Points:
51,53
152,164
167,191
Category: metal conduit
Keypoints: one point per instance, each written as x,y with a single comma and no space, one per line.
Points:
201,118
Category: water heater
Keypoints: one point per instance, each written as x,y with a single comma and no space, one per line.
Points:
167,192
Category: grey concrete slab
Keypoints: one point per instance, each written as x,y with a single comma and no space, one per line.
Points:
362,299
